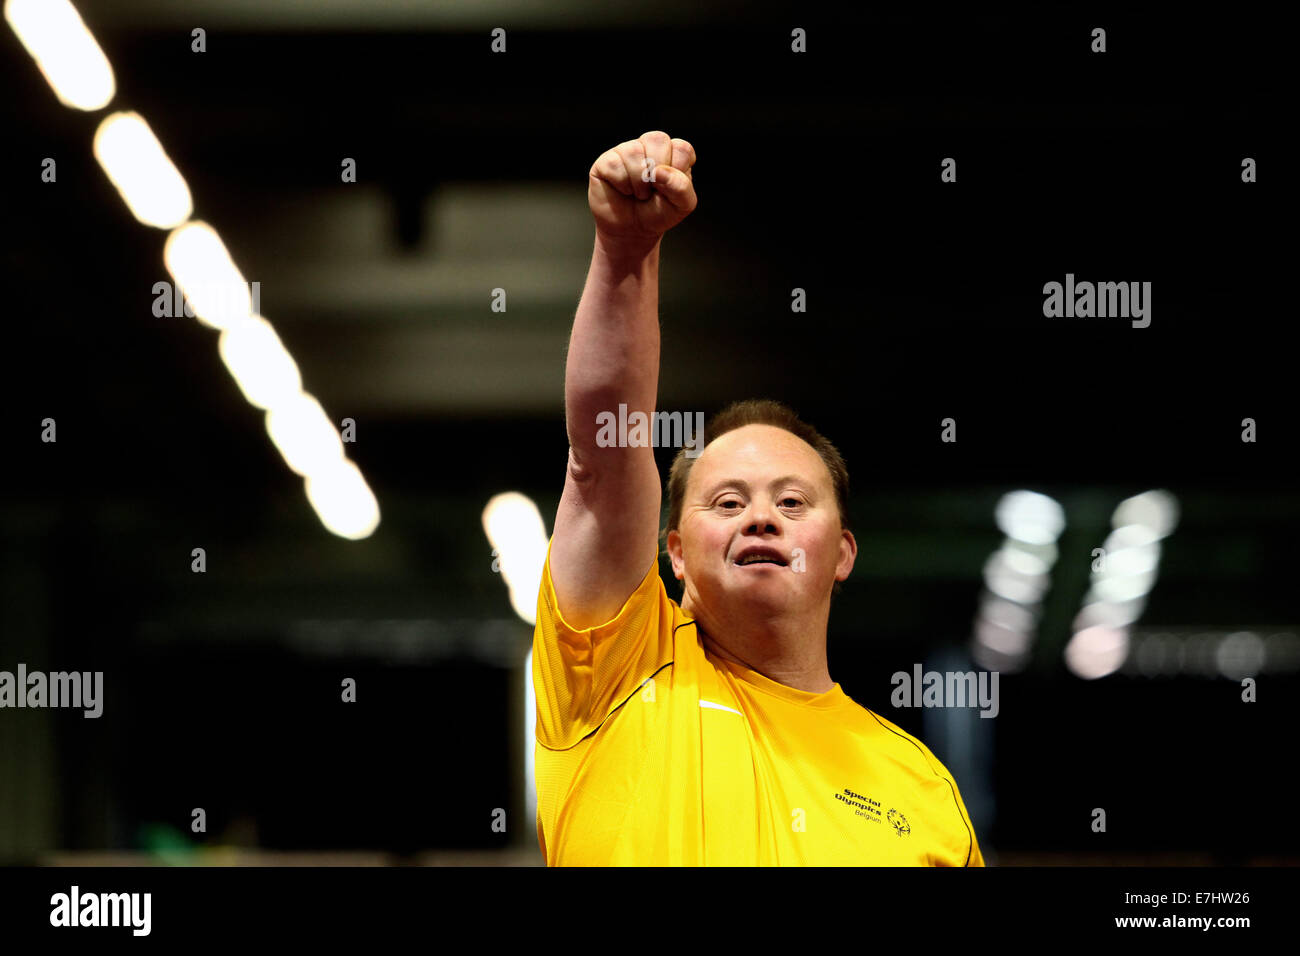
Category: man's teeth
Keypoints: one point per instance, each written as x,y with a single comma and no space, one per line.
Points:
758,559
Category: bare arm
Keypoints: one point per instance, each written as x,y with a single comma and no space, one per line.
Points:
607,525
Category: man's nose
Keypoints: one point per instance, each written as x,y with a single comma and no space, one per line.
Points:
761,520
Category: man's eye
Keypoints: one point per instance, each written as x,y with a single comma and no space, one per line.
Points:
793,501
726,503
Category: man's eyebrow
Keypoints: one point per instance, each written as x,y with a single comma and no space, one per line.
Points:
744,485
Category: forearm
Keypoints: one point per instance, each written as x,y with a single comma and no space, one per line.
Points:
613,355
607,520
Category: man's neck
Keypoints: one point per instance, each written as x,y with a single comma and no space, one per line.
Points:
778,649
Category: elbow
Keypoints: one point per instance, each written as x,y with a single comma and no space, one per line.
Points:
579,470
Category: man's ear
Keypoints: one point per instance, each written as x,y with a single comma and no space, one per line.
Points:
675,553
848,554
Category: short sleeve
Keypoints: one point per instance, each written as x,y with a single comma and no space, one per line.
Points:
581,676
974,856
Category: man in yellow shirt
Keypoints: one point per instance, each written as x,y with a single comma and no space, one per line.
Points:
707,732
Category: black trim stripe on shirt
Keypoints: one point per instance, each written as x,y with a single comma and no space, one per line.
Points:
970,846
607,716
629,696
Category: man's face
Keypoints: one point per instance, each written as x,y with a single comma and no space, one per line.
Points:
759,492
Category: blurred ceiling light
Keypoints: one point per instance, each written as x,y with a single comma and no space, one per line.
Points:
342,500
154,190
1119,589
304,435
1123,562
1097,651
1008,614
1030,517
515,529
1200,652
1109,613
1132,536
197,259
1032,559
137,166
1240,655
1155,655
1046,553
992,660
1005,640
264,370
1008,582
64,50
1156,510
525,607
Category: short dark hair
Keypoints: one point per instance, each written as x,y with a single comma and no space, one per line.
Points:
757,411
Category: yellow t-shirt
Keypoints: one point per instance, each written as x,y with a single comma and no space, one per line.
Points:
653,752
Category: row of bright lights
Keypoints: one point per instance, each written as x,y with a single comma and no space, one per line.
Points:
1233,655
157,195
1016,577
1119,588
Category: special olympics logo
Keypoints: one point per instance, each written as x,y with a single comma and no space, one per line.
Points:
899,822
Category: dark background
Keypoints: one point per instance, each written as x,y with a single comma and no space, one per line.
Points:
818,171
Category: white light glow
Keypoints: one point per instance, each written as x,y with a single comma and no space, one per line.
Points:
1127,561
1108,613
342,499
64,50
1156,510
1008,582
260,364
1097,651
524,603
515,529
1009,614
304,435
1030,559
1030,517
138,167
1004,640
197,259
1118,590
1240,655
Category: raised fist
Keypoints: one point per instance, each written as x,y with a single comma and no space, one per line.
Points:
642,188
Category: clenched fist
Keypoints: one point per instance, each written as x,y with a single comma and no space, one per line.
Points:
642,188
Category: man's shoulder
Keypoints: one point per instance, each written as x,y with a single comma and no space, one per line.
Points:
650,592
907,748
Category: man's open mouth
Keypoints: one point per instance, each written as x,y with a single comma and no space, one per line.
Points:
752,556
